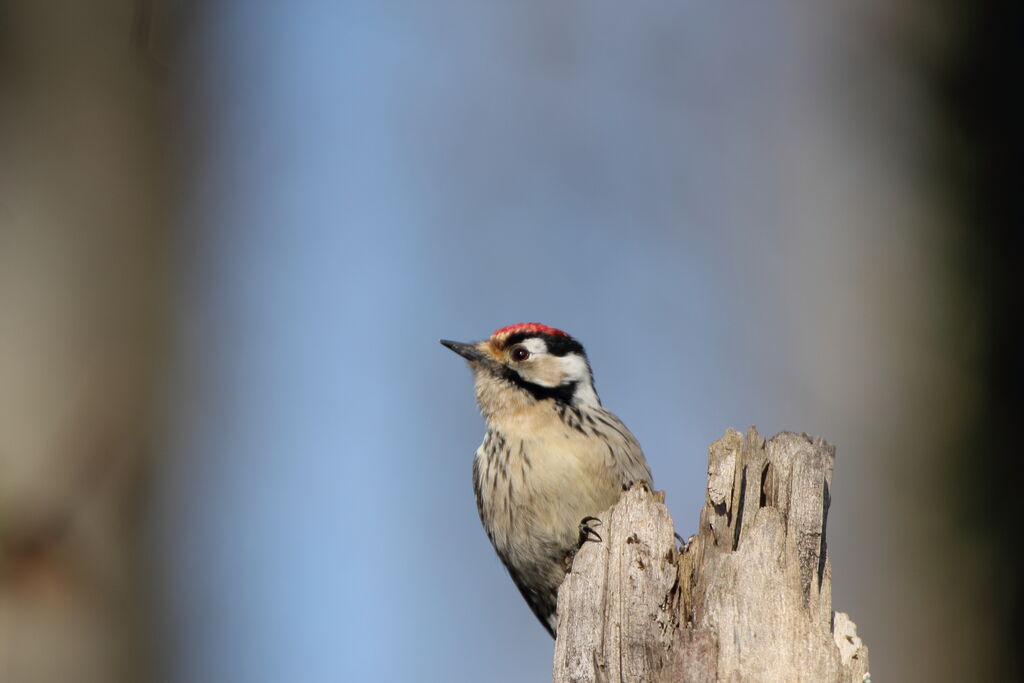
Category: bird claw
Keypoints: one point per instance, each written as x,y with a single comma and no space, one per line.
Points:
587,533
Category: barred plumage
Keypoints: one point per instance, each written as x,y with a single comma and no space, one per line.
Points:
552,455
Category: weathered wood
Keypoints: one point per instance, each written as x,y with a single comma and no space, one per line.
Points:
619,606
749,599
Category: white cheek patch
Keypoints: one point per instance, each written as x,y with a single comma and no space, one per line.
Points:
574,368
535,346
551,371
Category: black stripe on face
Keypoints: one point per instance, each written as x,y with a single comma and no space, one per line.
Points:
557,344
563,393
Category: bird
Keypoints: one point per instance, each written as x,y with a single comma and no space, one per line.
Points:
552,457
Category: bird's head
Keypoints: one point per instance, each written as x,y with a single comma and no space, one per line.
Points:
526,363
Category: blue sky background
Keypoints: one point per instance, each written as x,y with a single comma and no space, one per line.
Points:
689,188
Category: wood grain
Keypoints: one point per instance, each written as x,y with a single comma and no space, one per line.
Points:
749,599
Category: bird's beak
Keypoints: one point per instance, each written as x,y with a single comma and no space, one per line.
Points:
467,351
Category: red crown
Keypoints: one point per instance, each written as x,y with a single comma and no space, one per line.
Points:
532,328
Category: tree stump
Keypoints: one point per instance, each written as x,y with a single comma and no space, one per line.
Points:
748,599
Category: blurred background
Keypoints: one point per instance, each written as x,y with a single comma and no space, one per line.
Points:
232,233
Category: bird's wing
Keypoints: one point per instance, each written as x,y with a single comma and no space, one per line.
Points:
625,457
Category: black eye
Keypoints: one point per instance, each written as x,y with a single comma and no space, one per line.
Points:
520,354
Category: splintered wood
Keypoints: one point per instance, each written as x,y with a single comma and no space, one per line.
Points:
749,599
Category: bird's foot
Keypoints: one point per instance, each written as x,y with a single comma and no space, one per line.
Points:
587,532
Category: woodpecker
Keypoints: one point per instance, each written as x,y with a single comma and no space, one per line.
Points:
552,457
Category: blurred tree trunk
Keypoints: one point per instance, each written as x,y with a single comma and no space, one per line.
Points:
82,263
749,599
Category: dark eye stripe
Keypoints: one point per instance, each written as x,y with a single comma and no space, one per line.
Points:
557,345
